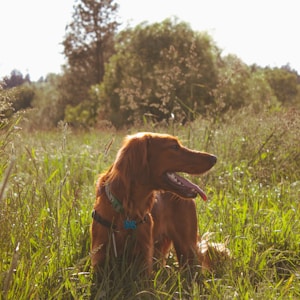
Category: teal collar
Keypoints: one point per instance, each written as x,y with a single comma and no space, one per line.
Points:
117,205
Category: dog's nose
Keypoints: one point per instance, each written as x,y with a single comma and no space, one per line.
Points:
213,159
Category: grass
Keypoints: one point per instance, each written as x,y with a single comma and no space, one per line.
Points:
47,194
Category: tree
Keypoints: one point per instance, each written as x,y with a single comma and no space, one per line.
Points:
48,108
159,70
240,85
15,79
23,96
6,109
284,83
88,44
20,91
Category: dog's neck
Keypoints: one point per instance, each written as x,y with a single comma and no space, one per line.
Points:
136,201
117,205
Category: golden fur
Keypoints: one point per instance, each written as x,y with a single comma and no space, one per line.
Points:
146,163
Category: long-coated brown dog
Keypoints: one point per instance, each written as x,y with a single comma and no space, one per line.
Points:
125,195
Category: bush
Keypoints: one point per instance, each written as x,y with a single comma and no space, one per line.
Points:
22,97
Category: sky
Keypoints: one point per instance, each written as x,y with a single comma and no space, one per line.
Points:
262,32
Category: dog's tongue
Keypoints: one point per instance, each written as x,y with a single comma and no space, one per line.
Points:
193,186
202,194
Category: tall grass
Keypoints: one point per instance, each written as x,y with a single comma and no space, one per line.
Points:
47,194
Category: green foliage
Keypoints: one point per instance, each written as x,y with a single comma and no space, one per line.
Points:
22,96
162,73
47,105
284,83
44,215
47,194
80,115
240,86
88,44
6,109
8,122
159,69
14,100
15,79
84,115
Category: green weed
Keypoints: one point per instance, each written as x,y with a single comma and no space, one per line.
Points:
47,195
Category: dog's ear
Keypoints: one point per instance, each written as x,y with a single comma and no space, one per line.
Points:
132,159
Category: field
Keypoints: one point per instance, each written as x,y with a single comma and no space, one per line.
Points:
47,195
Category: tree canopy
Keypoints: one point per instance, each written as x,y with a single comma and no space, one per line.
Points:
284,83
15,79
88,44
158,70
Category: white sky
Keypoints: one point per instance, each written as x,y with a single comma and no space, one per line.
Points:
265,32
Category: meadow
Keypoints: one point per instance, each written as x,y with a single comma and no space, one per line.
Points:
48,189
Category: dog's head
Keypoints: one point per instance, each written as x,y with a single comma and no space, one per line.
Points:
154,159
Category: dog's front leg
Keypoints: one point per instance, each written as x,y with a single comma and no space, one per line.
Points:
144,247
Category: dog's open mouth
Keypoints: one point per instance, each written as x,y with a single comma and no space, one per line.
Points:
184,186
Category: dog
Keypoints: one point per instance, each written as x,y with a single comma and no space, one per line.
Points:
175,224
145,165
